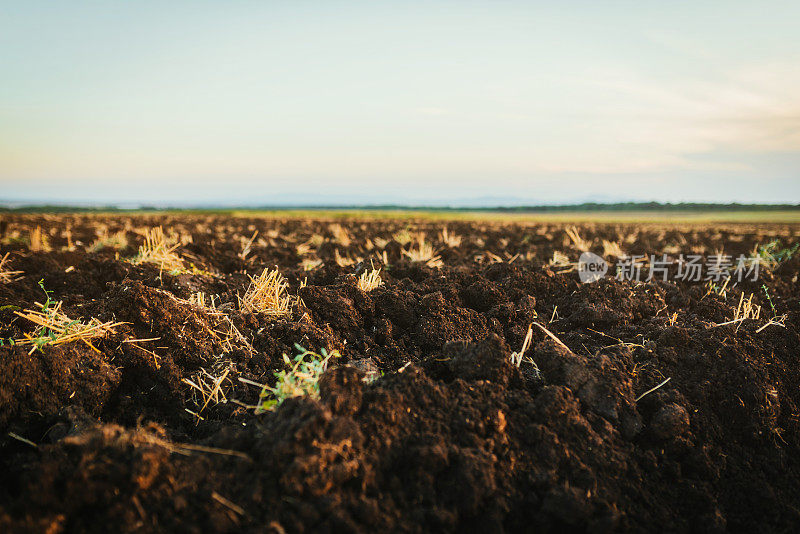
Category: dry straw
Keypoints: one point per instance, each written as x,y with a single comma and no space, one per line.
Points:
370,280
450,239
577,240
612,249
267,295
340,235
424,253
40,242
745,310
6,274
54,327
342,261
157,251
116,241
561,261
247,246
209,388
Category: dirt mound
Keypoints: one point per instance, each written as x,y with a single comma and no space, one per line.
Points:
641,410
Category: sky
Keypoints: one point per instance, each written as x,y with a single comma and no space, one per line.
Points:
301,102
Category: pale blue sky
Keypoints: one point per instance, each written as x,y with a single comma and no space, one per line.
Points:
399,101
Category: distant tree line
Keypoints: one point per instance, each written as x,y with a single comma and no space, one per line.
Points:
654,206
545,208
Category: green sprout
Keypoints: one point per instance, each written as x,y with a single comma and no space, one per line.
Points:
54,327
772,255
301,379
45,334
777,320
771,305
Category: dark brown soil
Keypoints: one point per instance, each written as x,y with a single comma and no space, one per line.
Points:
450,436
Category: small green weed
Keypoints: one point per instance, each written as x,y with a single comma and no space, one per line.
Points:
776,320
772,255
771,305
55,328
302,379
